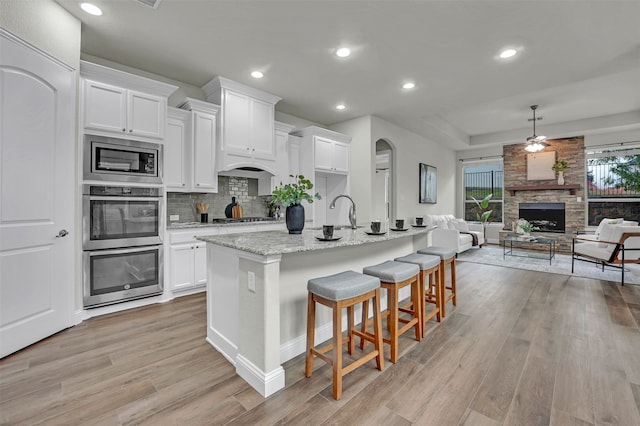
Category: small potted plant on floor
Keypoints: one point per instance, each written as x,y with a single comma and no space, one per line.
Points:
560,166
290,196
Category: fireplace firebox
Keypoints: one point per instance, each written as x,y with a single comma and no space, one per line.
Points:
548,217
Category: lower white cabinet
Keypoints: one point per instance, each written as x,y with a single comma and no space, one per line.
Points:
186,266
187,260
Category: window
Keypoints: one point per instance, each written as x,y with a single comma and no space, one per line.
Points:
482,178
613,184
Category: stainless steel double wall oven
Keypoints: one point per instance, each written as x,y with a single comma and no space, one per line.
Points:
122,223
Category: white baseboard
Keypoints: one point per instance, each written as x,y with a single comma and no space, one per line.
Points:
222,345
265,383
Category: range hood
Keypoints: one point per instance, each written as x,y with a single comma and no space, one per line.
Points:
248,172
264,177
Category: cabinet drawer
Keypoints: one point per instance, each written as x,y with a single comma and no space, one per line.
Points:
182,237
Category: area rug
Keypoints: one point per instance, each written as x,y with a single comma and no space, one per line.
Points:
561,264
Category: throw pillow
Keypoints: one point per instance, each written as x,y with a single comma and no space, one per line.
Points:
607,233
460,225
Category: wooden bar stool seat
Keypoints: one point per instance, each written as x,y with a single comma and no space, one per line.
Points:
394,276
430,289
447,257
343,290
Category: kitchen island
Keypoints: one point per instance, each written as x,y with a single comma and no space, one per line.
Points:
257,291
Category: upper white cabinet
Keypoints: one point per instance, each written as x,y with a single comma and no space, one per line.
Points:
324,159
330,156
246,129
190,148
122,103
177,150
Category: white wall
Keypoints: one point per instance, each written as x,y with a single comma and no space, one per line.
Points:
411,149
44,24
612,138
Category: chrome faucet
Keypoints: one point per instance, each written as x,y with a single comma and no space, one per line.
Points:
352,209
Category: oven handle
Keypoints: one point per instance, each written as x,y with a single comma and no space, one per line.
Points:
114,198
122,250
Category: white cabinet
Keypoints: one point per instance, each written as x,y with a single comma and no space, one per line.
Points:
116,102
177,150
187,261
324,159
330,156
190,148
246,130
114,109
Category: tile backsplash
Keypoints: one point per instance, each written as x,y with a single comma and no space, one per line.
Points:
244,189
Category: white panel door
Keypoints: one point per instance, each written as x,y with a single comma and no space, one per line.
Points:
204,152
262,130
175,174
340,158
323,154
236,117
146,115
37,115
181,266
105,107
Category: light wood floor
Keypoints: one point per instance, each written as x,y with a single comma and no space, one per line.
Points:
521,348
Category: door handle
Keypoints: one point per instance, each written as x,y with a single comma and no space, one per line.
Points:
62,233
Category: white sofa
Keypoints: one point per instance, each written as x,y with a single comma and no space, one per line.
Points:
453,233
615,243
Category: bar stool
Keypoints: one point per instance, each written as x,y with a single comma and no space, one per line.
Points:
343,290
447,257
430,289
394,276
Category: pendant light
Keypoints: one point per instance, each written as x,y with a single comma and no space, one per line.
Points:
535,143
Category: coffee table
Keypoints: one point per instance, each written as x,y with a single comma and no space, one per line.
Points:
525,244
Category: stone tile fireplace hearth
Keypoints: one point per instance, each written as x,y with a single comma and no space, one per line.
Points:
547,191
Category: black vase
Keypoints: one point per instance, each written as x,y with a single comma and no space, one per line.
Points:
295,218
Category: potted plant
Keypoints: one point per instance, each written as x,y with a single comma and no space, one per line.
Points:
525,227
560,166
290,196
483,214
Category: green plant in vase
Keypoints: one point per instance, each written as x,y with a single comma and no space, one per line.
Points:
559,167
525,227
290,196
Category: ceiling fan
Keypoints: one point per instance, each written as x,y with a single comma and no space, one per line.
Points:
535,143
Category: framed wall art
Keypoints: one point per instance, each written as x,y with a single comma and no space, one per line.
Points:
428,184
539,166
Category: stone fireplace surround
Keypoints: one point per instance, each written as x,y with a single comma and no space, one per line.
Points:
547,191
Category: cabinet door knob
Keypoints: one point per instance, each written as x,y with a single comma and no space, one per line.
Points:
124,130
130,130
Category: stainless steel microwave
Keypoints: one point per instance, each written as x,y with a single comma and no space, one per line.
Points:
120,160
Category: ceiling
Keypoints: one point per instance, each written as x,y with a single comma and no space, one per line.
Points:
579,60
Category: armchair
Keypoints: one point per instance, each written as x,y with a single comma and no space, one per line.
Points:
614,245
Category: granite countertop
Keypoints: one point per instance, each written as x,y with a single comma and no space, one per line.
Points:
267,243
191,225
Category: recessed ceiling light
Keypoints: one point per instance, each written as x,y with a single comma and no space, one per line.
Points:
508,53
257,74
91,9
343,52
408,85
340,107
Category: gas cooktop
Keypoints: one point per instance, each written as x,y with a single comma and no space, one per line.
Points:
242,219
